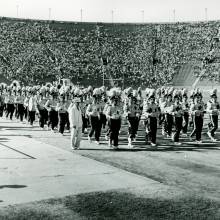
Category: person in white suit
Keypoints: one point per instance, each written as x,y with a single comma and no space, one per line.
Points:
75,118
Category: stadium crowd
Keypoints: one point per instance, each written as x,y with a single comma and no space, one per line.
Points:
136,54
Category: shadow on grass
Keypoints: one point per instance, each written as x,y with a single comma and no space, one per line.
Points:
116,205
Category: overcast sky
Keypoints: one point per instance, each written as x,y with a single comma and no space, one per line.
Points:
123,10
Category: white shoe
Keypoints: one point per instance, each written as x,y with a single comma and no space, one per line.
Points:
184,135
130,145
115,147
213,139
177,143
209,134
199,142
110,144
97,142
106,137
153,144
89,139
86,130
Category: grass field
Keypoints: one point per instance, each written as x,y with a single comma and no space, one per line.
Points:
115,205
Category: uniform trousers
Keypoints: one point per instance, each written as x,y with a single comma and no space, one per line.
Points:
186,118
20,109
133,126
42,117
52,119
197,129
96,126
31,117
115,126
213,126
10,110
76,134
168,123
152,129
63,118
1,109
178,128
85,122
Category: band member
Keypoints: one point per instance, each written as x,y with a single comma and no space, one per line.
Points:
185,106
41,101
132,112
213,110
32,106
51,108
113,115
178,117
197,110
62,108
19,100
168,110
2,98
9,100
151,112
93,111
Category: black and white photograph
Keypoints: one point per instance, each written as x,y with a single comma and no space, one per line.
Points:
109,110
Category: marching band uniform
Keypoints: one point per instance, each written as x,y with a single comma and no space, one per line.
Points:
168,110
178,118
51,108
2,99
185,106
19,100
41,101
132,112
62,108
113,114
93,110
213,110
151,112
9,100
32,107
197,109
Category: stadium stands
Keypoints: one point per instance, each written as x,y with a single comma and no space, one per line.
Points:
140,54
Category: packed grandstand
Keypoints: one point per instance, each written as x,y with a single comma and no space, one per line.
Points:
130,54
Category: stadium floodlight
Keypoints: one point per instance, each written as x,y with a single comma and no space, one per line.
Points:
81,15
206,14
49,13
17,8
174,15
112,13
142,16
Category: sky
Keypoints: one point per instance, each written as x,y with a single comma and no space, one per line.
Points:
113,10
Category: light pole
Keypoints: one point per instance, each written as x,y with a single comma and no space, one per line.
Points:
81,14
142,16
17,8
174,15
206,14
49,13
112,13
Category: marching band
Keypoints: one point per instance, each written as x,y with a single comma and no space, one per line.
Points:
106,110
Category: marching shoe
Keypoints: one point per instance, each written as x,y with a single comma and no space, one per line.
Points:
89,139
209,134
153,144
177,143
97,142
